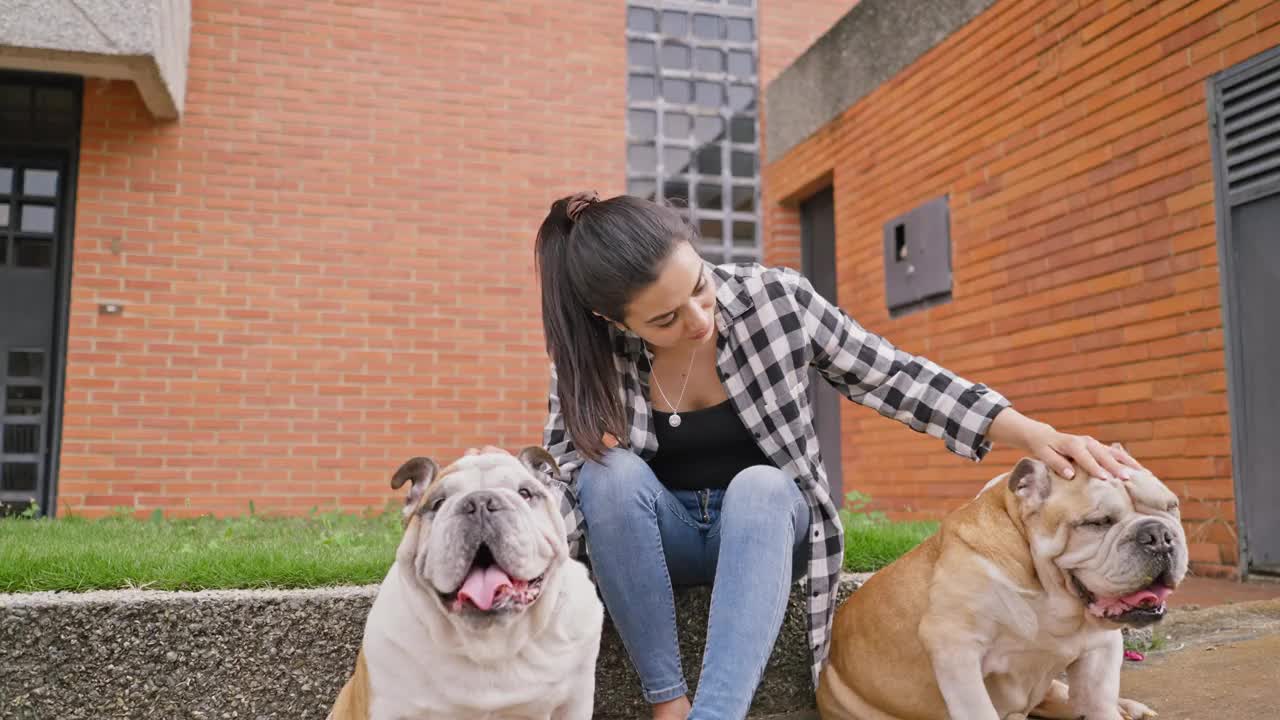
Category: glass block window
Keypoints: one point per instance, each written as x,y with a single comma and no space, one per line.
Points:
692,120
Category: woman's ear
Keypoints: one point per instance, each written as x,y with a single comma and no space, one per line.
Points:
616,324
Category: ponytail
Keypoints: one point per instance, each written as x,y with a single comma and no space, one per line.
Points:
578,343
592,256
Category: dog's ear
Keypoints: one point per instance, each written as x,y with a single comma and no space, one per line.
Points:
420,471
540,462
1030,481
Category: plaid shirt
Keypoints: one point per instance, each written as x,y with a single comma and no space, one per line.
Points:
772,327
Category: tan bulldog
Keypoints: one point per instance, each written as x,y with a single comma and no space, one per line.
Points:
1033,578
483,614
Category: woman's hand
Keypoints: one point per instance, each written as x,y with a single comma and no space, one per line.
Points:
1059,450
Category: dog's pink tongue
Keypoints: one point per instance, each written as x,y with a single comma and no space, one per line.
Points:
1150,597
1153,596
483,585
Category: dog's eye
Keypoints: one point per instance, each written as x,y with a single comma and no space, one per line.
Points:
1102,522
435,504
1173,506
526,493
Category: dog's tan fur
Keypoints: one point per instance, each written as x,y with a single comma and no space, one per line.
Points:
977,600
353,701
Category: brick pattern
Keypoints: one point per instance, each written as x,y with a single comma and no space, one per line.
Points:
326,265
1073,141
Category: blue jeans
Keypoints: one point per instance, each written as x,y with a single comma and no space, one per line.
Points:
643,539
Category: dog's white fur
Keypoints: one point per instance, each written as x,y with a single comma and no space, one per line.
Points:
418,660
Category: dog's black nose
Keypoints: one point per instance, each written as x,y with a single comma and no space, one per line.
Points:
482,501
1156,537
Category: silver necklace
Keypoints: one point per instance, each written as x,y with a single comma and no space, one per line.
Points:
674,420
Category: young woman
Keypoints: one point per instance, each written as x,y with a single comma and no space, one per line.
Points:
680,417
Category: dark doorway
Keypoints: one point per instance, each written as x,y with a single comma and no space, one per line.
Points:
1245,119
39,125
818,263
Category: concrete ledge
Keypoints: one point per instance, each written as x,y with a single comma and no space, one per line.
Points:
784,689
266,654
144,41
873,42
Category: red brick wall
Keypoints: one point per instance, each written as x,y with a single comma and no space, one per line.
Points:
326,265
1073,141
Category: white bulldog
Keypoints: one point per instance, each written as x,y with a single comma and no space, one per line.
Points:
483,614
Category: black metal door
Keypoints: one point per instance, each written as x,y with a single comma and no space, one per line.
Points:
32,186
818,263
1245,111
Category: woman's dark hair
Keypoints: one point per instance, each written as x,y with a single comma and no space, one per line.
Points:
592,256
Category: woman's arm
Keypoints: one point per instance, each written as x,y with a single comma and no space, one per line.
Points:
556,439
869,370
555,436
1058,449
928,398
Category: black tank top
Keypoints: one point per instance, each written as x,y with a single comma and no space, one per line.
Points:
709,448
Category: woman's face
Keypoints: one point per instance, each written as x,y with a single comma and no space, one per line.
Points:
678,308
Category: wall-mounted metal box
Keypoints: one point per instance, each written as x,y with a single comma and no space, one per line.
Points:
917,258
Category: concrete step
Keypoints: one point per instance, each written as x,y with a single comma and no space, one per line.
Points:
785,687
276,654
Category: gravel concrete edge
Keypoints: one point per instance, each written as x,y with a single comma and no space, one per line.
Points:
272,654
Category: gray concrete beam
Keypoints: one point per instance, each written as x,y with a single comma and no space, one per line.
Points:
143,41
876,40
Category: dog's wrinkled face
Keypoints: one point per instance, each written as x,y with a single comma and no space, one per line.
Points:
1117,546
483,534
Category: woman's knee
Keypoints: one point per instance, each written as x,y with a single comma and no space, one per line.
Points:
763,486
616,481
765,494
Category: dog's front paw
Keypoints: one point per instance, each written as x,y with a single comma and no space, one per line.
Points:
1134,710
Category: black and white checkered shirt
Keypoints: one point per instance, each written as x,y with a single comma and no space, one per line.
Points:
772,327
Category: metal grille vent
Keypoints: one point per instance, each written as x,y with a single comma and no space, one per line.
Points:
1249,116
22,410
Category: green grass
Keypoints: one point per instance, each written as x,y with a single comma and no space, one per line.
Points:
871,547
193,554
871,540
255,551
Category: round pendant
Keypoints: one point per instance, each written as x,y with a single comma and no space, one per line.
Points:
674,420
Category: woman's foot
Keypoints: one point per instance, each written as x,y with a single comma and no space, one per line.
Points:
677,709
